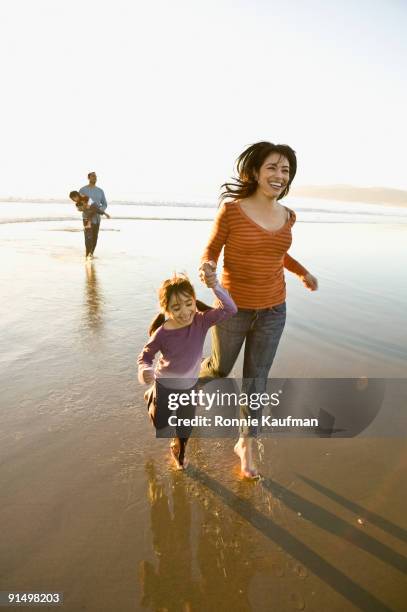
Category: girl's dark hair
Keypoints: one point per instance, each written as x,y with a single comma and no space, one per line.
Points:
248,165
74,194
178,284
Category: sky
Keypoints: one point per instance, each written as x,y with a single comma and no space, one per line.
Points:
160,97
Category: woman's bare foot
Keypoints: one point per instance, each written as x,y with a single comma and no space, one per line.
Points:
243,449
147,393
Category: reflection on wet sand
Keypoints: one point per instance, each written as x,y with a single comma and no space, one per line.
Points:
93,299
225,552
226,557
170,586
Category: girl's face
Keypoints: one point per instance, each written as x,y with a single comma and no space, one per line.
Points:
181,309
274,175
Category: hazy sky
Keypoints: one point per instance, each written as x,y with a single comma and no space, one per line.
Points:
159,97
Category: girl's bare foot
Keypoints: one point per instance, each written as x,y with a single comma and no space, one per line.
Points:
243,449
175,452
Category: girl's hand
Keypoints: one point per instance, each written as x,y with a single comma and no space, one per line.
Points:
148,377
310,282
107,216
207,274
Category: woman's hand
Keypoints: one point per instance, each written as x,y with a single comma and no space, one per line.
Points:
148,377
207,274
310,282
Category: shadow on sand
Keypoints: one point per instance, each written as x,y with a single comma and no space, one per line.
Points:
332,576
372,517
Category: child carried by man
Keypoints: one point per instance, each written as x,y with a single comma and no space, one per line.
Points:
88,209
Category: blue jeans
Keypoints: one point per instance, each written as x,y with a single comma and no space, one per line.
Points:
261,330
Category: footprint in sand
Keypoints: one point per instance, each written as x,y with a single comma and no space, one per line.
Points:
278,570
296,601
297,569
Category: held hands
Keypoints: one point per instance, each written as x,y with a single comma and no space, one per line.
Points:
310,282
148,377
207,274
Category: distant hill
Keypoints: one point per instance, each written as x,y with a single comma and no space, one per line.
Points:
347,193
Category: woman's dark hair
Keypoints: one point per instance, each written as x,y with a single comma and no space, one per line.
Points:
248,164
179,284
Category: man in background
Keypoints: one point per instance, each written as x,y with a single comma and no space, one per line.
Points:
97,196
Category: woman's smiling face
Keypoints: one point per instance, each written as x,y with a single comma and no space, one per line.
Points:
274,175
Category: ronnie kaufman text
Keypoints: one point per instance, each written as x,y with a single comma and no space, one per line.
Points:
220,421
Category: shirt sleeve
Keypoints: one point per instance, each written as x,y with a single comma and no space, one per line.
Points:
103,203
294,266
291,264
217,238
146,357
225,307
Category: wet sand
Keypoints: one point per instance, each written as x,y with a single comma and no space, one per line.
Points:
90,503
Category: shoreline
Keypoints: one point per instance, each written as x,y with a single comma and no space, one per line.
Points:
347,194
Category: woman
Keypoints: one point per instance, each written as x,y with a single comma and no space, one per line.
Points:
255,231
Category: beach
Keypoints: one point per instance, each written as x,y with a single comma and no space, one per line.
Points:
91,505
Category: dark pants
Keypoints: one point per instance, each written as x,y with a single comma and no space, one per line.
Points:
91,237
159,412
95,234
158,400
261,331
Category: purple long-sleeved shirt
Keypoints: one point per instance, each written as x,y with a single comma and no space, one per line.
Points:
181,349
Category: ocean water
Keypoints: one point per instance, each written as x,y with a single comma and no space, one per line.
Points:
308,211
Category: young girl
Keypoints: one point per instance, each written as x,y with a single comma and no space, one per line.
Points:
178,333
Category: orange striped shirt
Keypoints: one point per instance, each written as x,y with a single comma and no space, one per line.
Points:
254,258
